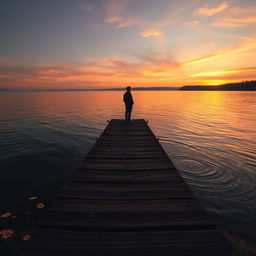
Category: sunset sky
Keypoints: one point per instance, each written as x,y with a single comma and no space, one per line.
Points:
114,43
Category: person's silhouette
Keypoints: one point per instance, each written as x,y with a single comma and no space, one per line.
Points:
128,103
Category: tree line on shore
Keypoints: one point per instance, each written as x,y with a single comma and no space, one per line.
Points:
241,86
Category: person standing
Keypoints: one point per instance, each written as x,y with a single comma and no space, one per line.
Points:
128,100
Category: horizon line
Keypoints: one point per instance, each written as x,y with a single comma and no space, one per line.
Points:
96,89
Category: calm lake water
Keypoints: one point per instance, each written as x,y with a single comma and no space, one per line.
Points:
210,136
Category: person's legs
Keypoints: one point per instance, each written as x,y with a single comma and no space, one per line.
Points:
126,112
126,115
129,112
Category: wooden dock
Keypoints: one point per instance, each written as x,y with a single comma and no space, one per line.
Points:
126,198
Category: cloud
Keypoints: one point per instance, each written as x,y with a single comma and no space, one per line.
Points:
159,62
239,73
217,73
152,33
150,61
117,14
207,11
114,9
248,45
123,23
145,66
150,68
113,19
62,75
192,23
235,22
236,17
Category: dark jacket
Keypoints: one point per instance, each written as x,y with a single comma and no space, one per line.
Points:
128,98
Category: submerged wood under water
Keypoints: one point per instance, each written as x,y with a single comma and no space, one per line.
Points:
126,198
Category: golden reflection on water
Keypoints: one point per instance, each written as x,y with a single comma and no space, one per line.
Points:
209,111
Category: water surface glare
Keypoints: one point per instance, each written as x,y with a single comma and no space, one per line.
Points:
210,136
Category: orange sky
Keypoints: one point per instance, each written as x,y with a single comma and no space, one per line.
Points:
113,43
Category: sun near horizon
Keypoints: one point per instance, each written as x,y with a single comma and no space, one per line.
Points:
108,44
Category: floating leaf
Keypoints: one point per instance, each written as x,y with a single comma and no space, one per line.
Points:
33,198
40,205
5,215
26,237
6,233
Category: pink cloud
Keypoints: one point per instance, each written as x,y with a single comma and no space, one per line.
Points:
152,33
113,19
114,9
127,23
234,22
146,66
207,11
236,17
147,28
192,23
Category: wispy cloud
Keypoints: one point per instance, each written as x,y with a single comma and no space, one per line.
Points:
152,33
113,19
217,73
235,22
236,17
123,23
150,68
114,10
192,23
147,66
240,73
210,11
151,61
232,50
147,28
158,60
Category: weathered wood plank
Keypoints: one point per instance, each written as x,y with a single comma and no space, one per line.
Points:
140,193
94,176
132,190
100,194
186,243
125,165
126,149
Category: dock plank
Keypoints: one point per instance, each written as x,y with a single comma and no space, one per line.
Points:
164,243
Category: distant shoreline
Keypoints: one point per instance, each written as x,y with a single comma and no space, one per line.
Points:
243,86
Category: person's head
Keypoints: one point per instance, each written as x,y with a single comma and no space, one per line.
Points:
128,88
